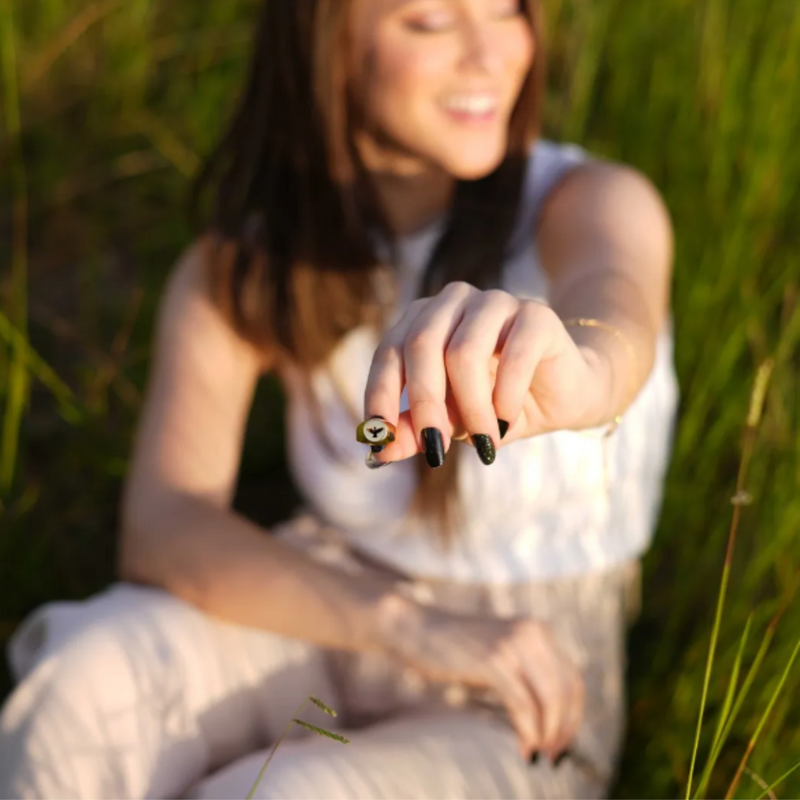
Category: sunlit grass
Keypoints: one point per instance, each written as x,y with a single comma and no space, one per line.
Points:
16,383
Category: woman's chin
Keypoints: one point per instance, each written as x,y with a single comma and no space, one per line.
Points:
472,166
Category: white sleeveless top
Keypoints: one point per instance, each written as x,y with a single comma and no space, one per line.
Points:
554,505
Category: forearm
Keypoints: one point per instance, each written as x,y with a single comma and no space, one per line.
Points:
233,570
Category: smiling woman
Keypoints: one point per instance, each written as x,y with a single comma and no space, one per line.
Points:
385,231
443,81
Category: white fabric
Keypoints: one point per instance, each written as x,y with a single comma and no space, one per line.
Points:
555,505
135,693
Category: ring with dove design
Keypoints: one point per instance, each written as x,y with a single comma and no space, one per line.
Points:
376,432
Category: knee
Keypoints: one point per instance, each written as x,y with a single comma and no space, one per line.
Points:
50,717
89,703
292,775
95,675
100,651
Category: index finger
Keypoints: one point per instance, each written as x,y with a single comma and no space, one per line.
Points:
385,383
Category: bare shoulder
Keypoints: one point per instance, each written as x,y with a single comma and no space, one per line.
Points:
608,195
606,220
188,307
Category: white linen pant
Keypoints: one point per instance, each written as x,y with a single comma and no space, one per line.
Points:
135,693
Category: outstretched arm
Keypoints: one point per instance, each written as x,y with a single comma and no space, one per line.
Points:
605,242
481,361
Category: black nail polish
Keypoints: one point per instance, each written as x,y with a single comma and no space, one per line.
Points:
561,757
434,447
534,757
503,428
377,448
485,447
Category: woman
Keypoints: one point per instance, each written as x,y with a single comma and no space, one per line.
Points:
385,234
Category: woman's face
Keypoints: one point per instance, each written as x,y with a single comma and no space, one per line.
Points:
437,80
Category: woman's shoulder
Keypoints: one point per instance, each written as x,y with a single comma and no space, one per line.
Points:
192,306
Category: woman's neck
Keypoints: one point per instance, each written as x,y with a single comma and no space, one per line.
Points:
413,202
413,194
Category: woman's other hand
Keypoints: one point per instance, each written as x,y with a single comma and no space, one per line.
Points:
518,660
472,359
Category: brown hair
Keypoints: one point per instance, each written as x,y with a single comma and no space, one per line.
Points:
293,207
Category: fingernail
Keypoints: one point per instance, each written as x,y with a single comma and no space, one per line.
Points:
534,757
434,447
377,448
373,462
485,447
503,428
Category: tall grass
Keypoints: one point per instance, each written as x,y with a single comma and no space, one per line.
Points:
108,107
17,386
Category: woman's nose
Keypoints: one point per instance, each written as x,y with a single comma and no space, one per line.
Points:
483,48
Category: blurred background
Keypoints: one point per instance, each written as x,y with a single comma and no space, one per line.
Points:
107,108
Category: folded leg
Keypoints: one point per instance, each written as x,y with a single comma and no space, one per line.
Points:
135,693
417,754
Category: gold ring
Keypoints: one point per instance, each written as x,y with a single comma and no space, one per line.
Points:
462,437
376,431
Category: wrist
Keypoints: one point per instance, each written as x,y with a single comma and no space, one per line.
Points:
405,625
611,355
601,403
396,618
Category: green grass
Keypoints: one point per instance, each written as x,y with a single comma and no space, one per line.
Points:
107,107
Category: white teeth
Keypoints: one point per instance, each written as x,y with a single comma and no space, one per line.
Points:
475,104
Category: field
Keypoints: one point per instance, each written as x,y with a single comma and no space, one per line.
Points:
108,108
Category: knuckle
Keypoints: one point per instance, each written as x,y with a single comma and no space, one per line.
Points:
458,289
498,296
537,311
422,403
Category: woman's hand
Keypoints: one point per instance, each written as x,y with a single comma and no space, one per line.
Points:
518,660
472,359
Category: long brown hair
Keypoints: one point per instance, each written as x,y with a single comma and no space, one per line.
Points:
293,208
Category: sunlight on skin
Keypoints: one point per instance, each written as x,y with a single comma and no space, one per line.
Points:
443,78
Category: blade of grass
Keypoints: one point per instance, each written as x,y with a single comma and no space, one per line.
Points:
67,36
17,372
751,427
168,144
763,721
779,780
760,781
337,737
755,666
252,791
39,368
726,707
315,729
